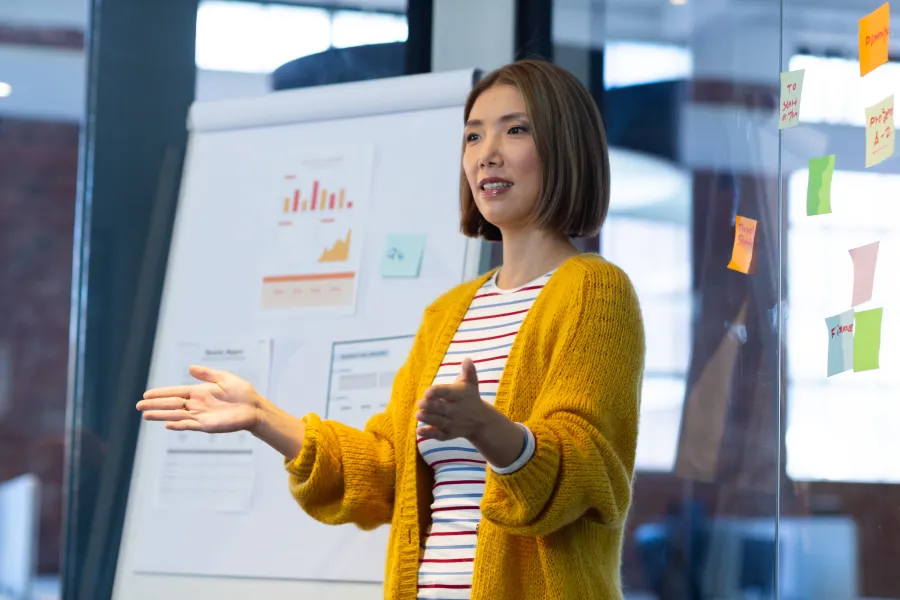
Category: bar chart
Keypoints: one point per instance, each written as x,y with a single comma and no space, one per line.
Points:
319,199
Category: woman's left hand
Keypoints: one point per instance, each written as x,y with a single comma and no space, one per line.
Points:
454,410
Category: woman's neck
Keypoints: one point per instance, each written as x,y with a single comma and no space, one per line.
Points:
529,254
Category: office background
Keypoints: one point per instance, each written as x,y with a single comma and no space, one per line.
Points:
757,475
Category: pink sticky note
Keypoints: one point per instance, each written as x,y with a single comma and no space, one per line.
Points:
863,259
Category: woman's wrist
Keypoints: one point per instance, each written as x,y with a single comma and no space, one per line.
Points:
499,439
280,430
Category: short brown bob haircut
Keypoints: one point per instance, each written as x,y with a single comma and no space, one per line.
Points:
571,143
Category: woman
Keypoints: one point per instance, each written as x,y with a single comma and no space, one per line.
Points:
505,457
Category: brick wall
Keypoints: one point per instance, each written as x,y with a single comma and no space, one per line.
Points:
38,173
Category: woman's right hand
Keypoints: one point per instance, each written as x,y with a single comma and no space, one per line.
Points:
222,403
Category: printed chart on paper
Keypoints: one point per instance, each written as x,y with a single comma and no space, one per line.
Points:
314,246
362,374
213,472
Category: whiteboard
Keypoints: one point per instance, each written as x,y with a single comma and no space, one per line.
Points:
375,159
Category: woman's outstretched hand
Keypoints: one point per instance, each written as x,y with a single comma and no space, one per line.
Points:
222,403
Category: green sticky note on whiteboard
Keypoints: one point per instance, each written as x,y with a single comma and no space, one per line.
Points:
867,340
402,255
818,189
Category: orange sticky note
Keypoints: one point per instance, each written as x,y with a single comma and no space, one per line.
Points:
880,131
744,236
874,34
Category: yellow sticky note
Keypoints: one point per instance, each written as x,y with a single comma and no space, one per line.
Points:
874,34
744,236
791,90
880,131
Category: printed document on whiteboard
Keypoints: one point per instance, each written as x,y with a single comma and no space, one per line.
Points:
213,471
362,373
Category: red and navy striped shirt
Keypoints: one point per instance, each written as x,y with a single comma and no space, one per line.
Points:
485,335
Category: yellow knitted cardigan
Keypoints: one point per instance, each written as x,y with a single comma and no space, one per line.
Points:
554,528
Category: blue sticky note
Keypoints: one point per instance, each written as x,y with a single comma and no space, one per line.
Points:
402,255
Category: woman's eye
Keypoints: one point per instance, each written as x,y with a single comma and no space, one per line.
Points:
518,129
471,137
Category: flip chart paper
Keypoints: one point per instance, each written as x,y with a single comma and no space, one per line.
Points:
791,90
867,340
744,237
818,189
864,259
874,35
840,342
880,131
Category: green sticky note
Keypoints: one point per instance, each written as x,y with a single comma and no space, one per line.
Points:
818,189
867,340
402,255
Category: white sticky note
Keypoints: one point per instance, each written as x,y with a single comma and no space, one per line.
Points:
791,91
840,342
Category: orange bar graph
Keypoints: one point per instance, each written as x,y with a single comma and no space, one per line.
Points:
325,200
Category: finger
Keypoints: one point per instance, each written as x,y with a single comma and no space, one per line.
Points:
161,404
166,415
432,433
434,405
430,418
453,392
181,391
468,374
205,373
185,425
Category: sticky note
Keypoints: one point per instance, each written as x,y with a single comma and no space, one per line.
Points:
818,189
791,90
867,340
744,236
402,255
864,259
880,131
840,342
874,34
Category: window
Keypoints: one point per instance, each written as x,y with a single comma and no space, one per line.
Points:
638,63
841,428
252,37
833,91
662,281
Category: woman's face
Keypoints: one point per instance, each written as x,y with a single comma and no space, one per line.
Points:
501,160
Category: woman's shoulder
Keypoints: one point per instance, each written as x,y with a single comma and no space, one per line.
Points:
590,280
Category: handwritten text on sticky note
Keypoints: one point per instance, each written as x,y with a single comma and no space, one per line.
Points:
744,237
867,340
818,189
880,131
864,259
840,342
791,90
874,35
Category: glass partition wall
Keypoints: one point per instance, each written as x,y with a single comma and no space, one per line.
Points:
759,475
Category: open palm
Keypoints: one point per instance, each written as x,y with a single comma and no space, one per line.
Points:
222,403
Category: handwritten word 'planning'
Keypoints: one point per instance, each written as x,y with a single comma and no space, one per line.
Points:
874,38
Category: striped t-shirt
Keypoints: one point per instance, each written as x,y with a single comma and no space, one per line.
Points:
485,335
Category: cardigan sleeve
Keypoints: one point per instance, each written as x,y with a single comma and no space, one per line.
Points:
585,418
344,475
